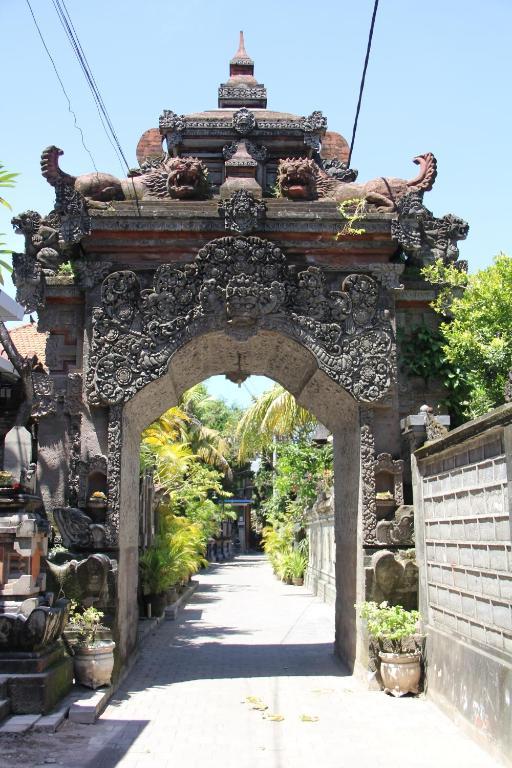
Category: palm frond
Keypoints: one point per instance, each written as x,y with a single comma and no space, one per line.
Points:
275,413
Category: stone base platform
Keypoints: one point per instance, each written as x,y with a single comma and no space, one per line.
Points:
36,682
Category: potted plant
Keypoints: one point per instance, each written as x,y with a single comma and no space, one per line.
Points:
154,578
93,656
297,564
393,626
282,567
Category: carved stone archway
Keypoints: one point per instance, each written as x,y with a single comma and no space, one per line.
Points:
240,303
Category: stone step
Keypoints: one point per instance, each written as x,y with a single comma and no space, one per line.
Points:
19,723
5,708
50,723
89,707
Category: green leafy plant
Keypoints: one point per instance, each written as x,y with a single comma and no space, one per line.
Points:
297,564
66,268
6,180
423,354
275,414
4,264
155,574
86,623
389,623
277,545
351,210
476,335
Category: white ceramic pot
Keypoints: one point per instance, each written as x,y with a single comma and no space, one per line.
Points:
93,665
400,672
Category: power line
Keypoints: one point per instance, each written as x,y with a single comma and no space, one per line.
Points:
105,119
71,34
70,110
363,78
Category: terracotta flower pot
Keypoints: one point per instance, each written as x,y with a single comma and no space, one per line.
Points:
400,672
298,581
93,665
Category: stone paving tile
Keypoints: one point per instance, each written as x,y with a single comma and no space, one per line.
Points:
244,634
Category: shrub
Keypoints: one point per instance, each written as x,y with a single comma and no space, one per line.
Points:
390,623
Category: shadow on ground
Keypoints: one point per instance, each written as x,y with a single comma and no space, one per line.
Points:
74,746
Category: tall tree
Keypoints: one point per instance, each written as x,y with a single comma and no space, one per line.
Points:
177,427
478,328
274,414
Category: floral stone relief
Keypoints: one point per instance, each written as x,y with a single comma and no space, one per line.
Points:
238,282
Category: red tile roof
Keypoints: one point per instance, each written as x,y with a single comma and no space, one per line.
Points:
28,341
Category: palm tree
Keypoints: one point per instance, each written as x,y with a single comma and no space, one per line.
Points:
6,180
179,427
163,452
274,414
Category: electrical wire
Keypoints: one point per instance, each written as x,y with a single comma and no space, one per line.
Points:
105,119
363,78
71,34
70,110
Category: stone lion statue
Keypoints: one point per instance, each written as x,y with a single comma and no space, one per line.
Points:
180,178
168,177
303,179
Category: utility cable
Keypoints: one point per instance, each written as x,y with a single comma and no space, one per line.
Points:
74,41
363,78
72,35
70,110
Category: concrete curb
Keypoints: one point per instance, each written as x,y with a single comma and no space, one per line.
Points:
171,612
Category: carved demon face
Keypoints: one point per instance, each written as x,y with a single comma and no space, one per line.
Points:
26,223
296,178
187,178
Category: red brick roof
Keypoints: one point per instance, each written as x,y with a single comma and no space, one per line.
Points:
28,341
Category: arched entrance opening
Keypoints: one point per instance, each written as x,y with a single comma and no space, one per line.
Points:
275,355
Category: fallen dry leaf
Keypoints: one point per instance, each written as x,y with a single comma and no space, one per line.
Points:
309,718
274,718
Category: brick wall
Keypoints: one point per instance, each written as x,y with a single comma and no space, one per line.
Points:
462,496
467,542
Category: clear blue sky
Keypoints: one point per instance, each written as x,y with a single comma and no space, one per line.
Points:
439,80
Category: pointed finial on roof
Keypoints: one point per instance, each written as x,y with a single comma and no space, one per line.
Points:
241,57
242,89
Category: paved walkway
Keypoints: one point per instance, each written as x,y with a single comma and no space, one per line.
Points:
246,641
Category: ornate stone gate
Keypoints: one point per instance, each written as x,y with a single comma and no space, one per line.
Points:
225,252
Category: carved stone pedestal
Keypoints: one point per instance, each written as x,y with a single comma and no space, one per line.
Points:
36,681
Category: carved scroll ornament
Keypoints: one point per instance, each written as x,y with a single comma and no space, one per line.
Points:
238,281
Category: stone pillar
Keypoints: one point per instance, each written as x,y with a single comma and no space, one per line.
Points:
348,537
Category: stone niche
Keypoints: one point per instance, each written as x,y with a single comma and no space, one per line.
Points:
389,492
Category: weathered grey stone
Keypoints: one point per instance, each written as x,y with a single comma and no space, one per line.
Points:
89,707
19,723
463,524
